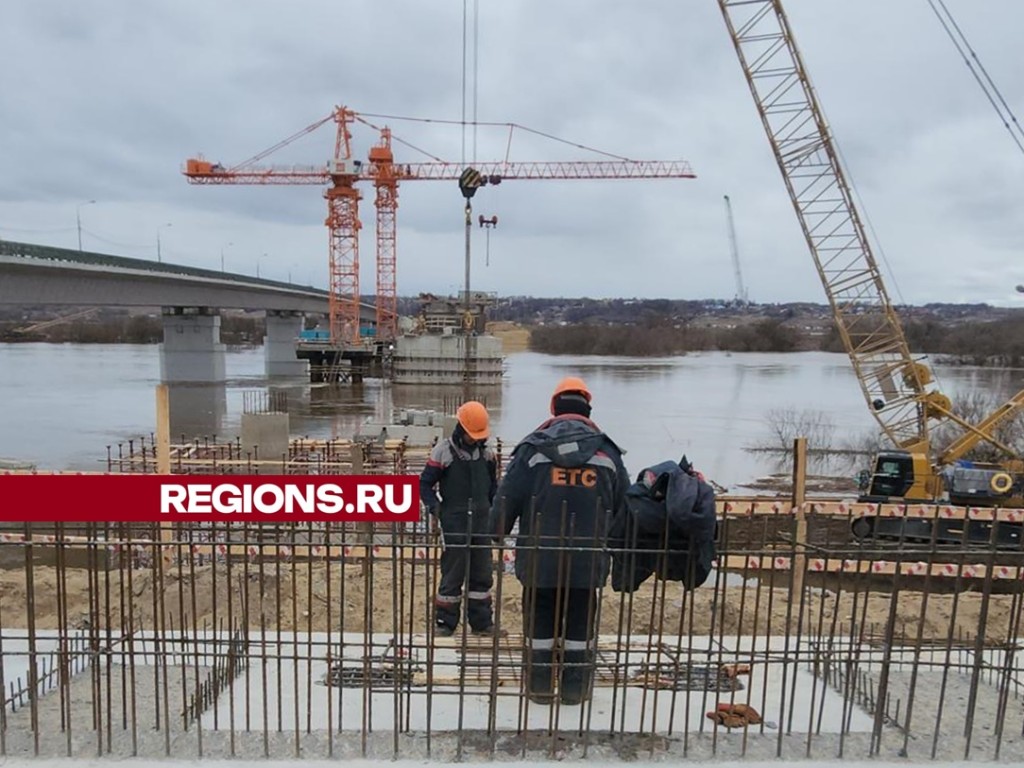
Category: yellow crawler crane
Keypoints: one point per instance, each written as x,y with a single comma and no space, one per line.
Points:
900,391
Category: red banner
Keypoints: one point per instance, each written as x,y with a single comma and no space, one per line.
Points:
208,498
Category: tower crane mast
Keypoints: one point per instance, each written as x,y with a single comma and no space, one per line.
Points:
343,224
900,391
385,181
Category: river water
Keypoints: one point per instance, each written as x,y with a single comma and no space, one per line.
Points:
62,405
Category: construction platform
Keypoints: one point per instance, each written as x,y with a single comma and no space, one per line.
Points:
331,362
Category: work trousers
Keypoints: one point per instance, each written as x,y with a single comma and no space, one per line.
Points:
559,616
466,560
565,618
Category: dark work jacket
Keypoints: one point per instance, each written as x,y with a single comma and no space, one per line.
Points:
466,479
669,529
564,485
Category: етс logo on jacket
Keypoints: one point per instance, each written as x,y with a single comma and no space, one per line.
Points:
574,476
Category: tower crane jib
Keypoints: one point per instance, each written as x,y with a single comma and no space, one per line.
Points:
343,172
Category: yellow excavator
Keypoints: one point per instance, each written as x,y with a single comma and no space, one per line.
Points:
900,390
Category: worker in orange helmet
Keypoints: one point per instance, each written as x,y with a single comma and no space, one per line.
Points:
464,469
565,484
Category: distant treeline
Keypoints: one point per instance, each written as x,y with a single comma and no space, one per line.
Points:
127,329
991,341
999,342
656,340
995,342
535,310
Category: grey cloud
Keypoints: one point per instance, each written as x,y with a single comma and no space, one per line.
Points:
105,100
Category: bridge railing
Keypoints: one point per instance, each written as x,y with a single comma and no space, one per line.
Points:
49,253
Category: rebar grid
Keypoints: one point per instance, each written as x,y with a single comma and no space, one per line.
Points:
317,640
212,455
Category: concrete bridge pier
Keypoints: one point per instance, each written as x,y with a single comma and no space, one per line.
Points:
192,351
279,344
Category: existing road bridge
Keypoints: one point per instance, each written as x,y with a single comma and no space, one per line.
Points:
34,275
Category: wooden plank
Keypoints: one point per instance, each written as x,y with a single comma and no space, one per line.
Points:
406,552
163,455
753,563
428,554
799,486
163,430
747,506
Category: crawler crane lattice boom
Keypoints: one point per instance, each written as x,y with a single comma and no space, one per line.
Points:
899,390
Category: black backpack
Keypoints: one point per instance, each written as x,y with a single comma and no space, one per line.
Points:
669,528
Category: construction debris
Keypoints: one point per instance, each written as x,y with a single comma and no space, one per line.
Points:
735,715
373,672
686,677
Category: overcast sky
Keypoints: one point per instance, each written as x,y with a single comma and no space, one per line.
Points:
104,100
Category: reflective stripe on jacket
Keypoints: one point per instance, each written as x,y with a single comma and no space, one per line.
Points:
461,476
565,484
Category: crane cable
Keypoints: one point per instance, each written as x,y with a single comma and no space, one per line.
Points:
476,47
991,91
509,125
463,157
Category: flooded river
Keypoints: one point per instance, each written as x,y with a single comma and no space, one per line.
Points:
62,405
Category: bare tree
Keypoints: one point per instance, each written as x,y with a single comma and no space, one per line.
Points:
973,407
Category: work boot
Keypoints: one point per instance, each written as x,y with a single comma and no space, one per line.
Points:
491,631
540,678
577,675
443,630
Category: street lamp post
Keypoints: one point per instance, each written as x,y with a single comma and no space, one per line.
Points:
159,256
78,218
258,264
222,255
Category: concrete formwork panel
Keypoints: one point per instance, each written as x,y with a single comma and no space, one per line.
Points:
447,359
265,435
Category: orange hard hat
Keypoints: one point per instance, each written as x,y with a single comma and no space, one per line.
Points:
570,384
474,419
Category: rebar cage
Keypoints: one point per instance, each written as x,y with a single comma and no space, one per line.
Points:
317,640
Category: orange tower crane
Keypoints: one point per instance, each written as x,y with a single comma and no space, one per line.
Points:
385,180
343,172
343,225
